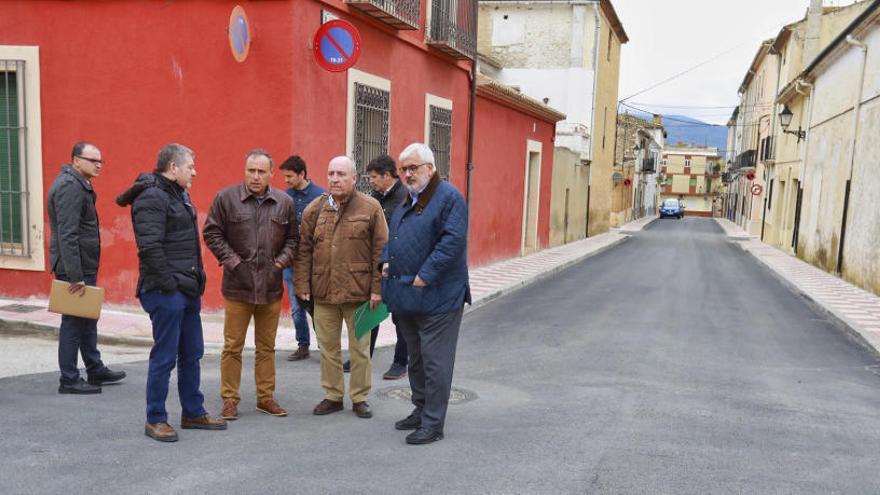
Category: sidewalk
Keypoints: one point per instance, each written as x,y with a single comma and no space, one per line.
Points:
130,325
855,309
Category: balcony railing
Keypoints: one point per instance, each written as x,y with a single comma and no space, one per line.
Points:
453,28
745,159
648,165
400,14
766,151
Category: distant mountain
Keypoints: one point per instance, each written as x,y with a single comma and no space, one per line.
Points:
696,132
689,130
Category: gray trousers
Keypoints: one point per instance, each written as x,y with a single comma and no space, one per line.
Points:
431,341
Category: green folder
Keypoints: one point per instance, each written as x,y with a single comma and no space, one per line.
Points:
366,319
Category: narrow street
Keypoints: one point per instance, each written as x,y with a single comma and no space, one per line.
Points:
672,363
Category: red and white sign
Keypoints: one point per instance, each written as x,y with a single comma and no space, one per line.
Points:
337,46
756,189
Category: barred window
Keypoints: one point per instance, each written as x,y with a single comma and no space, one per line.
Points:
440,139
14,240
371,113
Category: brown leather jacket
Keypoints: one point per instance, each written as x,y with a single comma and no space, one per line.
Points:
248,238
337,260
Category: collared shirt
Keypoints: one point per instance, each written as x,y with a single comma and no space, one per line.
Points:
333,204
302,198
415,195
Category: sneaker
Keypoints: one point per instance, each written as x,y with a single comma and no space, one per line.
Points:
79,388
395,372
230,410
346,367
162,432
302,352
271,408
105,376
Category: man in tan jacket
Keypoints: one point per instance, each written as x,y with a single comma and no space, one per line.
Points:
341,240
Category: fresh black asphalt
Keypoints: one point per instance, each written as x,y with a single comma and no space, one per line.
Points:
672,363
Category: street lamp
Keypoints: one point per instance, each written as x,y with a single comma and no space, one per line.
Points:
785,120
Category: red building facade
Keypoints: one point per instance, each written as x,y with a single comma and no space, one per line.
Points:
133,76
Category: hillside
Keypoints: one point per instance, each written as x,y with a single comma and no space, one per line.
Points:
690,131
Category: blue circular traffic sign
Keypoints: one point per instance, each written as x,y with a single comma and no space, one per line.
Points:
337,45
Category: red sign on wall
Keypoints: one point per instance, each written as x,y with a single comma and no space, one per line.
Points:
337,46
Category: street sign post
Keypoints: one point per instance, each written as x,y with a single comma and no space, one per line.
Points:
337,46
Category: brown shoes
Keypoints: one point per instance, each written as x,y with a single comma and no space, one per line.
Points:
327,406
162,432
202,423
362,409
302,352
230,410
271,408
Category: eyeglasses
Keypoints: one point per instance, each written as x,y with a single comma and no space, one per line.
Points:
93,160
410,168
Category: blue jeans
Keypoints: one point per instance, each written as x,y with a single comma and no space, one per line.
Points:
177,339
78,335
297,313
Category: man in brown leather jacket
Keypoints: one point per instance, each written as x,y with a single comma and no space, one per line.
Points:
251,230
336,267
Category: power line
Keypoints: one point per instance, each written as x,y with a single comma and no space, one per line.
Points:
690,69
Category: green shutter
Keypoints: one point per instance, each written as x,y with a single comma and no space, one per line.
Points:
10,161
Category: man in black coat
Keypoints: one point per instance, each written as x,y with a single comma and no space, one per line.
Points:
170,287
74,253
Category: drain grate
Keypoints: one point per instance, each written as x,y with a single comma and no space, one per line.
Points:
20,308
456,395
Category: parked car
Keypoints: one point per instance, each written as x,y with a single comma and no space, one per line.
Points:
671,207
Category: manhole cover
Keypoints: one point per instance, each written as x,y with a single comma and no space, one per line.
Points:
456,395
20,308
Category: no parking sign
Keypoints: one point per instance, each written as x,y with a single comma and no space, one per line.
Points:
337,46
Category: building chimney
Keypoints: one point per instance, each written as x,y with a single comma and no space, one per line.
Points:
813,32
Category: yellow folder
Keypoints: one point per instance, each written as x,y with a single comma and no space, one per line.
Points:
86,305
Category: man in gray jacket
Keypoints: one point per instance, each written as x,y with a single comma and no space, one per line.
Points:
74,252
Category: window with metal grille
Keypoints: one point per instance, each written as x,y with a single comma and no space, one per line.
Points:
440,139
371,112
13,172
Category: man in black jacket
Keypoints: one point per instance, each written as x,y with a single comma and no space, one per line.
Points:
170,286
387,189
74,252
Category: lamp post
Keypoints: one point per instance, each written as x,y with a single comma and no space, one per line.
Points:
785,120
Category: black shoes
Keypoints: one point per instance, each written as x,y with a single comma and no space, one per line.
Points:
411,422
423,436
395,372
105,376
80,388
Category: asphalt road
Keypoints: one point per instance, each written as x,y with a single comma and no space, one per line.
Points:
672,363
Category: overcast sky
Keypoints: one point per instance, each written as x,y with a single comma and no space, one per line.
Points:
671,36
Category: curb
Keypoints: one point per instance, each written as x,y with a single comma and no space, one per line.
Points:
541,276
24,327
840,322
